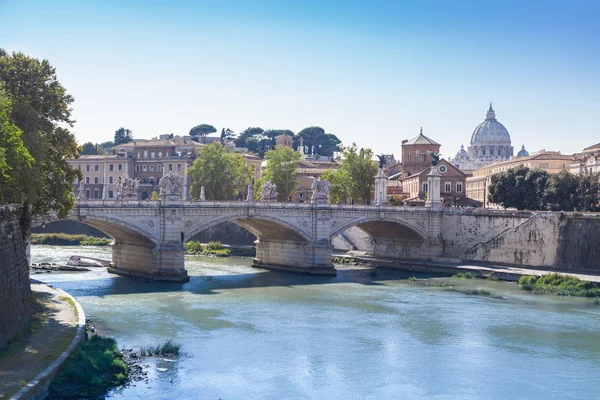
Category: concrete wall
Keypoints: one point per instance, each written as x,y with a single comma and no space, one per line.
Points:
558,241
15,290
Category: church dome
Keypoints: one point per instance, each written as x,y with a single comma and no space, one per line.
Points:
490,132
462,153
523,152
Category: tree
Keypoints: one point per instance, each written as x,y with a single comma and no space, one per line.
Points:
355,179
15,160
123,136
224,175
226,135
328,144
281,170
244,135
520,188
273,133
107,146
201,131
561,192
88,148
588,192
312,136
41,109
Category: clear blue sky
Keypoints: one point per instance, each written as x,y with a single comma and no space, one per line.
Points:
371,72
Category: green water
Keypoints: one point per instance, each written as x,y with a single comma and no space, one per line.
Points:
253,334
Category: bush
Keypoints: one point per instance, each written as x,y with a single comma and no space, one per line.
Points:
193,247
214,246
63,239
94,368
560,285
464,275
412,279
169,348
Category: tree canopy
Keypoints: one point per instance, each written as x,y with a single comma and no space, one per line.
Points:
41,109
281,170
534,189
226,135
123,136
201,131
88,148
355,179
224,175
15,160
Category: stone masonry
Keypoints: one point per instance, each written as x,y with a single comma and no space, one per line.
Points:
15,290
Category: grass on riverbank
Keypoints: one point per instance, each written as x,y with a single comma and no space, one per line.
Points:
169,348
559,285
217,249
63,239
95,367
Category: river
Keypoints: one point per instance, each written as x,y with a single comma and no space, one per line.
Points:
254,334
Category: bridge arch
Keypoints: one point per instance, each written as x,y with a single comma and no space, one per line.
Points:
376,227
263,227
119,229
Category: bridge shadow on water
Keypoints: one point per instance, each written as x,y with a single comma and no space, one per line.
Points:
217,283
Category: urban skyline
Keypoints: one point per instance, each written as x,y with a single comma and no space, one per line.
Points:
371,74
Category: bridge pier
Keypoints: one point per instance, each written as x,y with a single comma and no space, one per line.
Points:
158,263
286,255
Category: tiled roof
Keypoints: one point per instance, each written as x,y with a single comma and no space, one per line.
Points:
421,139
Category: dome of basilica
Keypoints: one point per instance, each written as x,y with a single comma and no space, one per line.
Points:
462,153
490,132
523,152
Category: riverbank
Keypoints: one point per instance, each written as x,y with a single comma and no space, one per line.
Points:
63,239
30,361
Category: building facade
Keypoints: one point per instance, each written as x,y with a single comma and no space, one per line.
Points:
416,154
588,161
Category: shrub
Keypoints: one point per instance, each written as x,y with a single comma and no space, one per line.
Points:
94,368
478,292
560,285
464,275
193,247
412,279
214,246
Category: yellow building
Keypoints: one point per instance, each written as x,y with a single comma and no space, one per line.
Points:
549,161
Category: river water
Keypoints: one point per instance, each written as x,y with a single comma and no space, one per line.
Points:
253,334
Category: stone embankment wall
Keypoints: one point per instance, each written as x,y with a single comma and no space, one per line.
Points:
15,289
558,241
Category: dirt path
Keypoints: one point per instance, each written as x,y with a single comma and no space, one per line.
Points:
49,333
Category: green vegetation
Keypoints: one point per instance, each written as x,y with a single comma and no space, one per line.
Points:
95,367
534,189
281,170
343,260
199,132
560,285
478,292
41,110
193,247
439,284
355,177
63,239
223,174
464,275
122,136
169,348
412,279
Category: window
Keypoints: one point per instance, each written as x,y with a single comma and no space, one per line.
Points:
145,168
110,179
87,180
120,167
160,154
178,167
152,155
423,156
87,168
459,187
170,167
151,180
159,168
87,194
96,168
448,187
110,167
137,168
145,153
110,194
544,165
409,157
96,180
425,187
152,168
96,193
138,155
167,154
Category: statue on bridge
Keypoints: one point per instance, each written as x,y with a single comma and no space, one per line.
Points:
127,187
171,185
269,192
320,190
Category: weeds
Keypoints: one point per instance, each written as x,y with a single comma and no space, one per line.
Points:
559,285
478,292
464,275
168,348
439,284
412,279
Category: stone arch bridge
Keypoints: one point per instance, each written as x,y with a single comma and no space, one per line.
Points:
148,236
